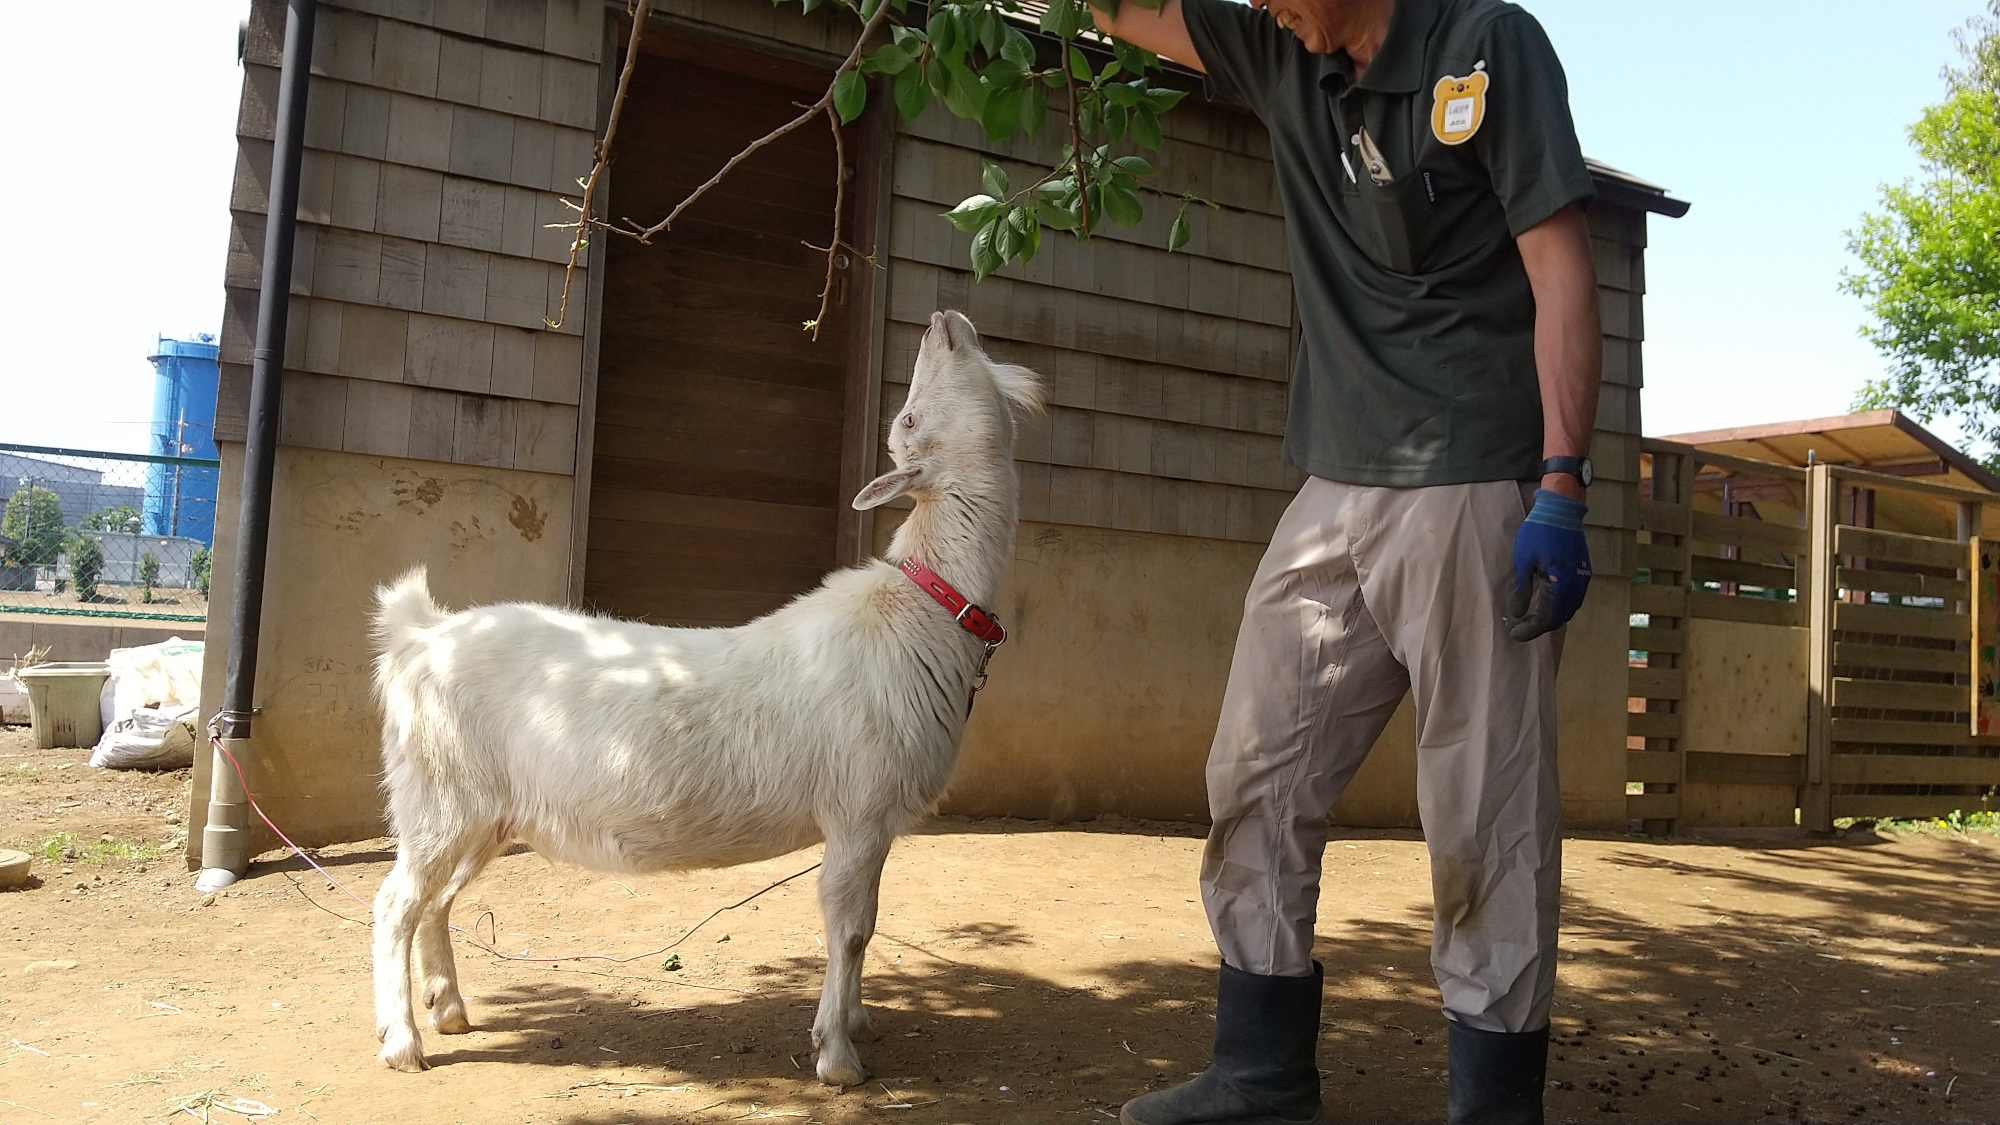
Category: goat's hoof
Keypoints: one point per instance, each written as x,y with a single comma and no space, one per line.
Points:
450,1021
405,1053
841,1072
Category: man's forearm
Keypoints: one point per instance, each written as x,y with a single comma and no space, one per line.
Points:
1569,344
1162,30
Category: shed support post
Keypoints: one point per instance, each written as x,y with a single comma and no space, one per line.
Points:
1823,517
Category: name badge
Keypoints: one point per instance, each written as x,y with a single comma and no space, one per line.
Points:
1458,105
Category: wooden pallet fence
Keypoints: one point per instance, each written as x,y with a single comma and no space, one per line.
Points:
1895,689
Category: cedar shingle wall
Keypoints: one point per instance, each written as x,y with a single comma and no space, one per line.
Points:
439,135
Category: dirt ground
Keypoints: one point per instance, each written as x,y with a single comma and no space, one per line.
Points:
1022,973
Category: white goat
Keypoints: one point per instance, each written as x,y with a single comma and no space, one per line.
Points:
629,747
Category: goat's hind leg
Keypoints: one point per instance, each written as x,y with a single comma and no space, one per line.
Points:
850,883
435,966
422,867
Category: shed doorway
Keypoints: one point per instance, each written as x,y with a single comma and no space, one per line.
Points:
717,454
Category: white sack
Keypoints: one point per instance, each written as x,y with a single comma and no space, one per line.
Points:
13,701
150,738
164,675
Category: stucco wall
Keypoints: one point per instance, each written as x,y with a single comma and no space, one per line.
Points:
341,524
1104,698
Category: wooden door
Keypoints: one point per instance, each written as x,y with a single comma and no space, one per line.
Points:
716,469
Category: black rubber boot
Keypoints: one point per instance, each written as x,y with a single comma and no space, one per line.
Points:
1497,1077
1265,1070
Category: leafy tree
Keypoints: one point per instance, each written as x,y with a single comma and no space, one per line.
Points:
1930,259
199,564
149,574
34,521
86,563
119,517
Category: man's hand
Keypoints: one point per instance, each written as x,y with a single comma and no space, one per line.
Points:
1551,567
1162,30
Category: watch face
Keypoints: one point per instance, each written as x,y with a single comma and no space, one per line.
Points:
1586,472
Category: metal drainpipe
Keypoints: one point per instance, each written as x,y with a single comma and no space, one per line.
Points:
225,842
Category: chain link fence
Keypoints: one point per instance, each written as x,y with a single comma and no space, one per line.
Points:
87,533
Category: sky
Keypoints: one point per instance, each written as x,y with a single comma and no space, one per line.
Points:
1776,119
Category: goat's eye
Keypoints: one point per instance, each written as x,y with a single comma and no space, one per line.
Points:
909,421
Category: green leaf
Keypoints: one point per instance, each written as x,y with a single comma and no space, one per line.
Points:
1146,128
1180,232
974,212
850,95
888,59
992,31
943,32
1007,238
1136,165
1016,48
1120,93
964,95
1033,242
913,94
1002,117
1001,74
1034,109
994,179
1079,67
1122,207
1116,117
1160,99
985,257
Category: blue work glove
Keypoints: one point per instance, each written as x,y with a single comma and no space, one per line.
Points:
1551,567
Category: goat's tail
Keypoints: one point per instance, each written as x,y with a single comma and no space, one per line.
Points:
401,609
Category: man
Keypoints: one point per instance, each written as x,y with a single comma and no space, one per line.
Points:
1433,192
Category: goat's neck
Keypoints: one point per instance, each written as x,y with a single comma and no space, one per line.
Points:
965,535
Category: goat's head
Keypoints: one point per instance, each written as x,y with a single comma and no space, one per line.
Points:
957,425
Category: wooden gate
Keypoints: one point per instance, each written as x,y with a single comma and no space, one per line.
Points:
1856,691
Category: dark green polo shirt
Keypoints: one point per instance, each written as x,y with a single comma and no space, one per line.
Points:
1417,357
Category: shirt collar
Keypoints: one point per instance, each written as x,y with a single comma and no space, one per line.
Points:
1398,65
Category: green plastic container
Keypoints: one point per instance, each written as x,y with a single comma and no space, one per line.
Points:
62,702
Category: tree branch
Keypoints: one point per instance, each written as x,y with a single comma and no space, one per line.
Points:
602,158
825,102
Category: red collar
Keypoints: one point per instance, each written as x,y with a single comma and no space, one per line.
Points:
975,619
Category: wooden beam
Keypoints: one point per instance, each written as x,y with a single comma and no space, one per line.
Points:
1652,766
1900,732
1899,621
1874,543
1896,658
1822,511
1710,527
1656,683
1653,806
1913,769
1899,696
1910,806
1723,767
1753,611
873,160
1653,724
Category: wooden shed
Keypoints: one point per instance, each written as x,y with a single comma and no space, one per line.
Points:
682,452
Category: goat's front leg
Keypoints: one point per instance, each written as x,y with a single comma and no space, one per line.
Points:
850,882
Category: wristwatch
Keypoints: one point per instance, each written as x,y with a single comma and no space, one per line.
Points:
1578,467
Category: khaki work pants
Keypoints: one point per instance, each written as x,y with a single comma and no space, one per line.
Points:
1366,592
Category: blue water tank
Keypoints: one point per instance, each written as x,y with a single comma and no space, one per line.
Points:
180,499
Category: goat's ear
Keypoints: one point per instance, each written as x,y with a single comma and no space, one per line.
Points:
958,330
887,487
1021,387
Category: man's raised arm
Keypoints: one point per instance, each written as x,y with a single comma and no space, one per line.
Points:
1161,30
